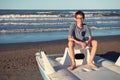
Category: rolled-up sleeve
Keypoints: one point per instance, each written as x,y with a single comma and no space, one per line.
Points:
88,31
71,30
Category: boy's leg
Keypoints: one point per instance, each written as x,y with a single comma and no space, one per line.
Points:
71,51
93,52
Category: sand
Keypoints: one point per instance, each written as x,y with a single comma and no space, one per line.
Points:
17,61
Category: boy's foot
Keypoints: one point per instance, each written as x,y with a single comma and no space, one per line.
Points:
93,66
70,68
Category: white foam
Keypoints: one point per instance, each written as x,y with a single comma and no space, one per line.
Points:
33,30
103,28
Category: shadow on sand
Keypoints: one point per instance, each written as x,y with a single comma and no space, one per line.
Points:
111,55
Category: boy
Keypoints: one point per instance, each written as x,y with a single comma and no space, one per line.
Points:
76,38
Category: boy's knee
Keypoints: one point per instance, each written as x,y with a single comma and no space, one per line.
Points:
70,44
94,42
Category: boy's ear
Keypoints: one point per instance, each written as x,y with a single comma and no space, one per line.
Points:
75,19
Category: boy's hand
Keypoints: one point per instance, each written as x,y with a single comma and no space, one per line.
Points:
83,45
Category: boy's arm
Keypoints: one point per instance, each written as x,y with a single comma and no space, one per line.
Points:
70,38
89,40
83,44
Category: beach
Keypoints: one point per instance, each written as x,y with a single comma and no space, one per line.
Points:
17,60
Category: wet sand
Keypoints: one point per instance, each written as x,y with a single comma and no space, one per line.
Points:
17,61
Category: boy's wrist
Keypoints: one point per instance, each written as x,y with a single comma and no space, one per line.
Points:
87,42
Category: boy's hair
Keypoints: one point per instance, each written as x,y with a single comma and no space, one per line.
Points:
79,13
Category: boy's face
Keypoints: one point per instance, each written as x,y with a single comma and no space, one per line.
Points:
79,19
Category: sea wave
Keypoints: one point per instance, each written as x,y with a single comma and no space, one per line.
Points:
54,15
55,18
33,18
103,18
25,23
34,30
36,15
103,28
33,24
103,22
26,16
52,29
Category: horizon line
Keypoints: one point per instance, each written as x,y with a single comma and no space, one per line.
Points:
59,9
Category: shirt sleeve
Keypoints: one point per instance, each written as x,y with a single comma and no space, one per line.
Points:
71,30
88,31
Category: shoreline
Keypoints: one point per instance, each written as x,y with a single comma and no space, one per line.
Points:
17,60
62,43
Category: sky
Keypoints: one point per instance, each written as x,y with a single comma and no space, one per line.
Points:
59,4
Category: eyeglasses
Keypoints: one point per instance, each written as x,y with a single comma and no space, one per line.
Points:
79,17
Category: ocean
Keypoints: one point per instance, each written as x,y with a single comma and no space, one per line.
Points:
17,26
